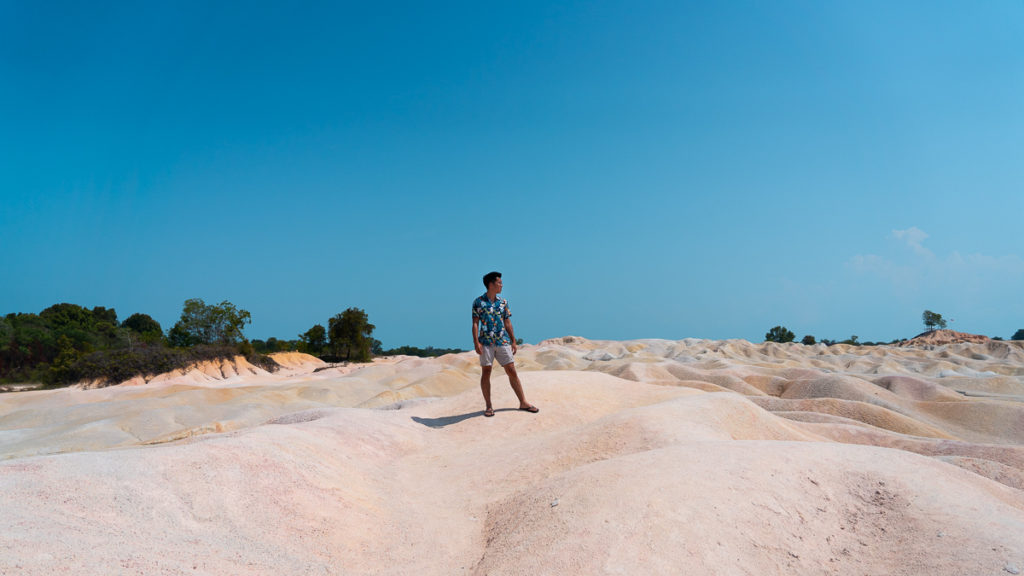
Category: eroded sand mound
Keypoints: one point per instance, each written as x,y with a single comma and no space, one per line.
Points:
648,457
943,337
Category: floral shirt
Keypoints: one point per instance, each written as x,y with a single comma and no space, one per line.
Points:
491,316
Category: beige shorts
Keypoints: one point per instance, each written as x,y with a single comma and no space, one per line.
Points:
492,352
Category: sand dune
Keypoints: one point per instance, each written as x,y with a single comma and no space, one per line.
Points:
648,457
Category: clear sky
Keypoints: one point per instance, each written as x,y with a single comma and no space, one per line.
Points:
634,169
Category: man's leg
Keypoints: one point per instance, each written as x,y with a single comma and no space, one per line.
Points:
485,386
517,386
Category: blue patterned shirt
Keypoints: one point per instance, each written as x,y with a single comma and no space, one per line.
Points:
491,316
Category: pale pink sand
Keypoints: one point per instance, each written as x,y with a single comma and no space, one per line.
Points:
808,460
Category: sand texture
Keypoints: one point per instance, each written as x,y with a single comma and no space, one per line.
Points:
647,457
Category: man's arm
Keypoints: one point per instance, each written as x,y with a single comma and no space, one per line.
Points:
476,337
511,334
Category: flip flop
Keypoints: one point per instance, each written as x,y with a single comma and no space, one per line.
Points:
488,412
531,409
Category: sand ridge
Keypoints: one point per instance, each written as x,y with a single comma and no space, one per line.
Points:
649,456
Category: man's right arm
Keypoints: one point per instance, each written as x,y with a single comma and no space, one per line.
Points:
476,337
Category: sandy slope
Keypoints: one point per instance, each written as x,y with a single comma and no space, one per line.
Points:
648,457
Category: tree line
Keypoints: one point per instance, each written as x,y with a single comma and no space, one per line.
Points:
68,343
932,321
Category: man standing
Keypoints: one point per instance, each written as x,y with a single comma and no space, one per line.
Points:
493,338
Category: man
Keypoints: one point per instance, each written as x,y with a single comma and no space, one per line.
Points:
494,339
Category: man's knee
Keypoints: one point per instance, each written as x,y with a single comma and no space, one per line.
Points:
485,370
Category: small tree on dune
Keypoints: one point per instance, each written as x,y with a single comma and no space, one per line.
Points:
808,340
779,334
1018,335
933,320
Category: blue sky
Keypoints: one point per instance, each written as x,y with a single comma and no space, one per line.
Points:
635,169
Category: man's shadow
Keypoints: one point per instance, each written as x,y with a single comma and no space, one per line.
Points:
449,420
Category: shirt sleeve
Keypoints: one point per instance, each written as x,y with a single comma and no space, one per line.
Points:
507,312
476,310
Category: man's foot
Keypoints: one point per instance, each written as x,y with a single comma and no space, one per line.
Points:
531,409
489,412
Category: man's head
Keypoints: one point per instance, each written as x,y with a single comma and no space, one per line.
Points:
492,278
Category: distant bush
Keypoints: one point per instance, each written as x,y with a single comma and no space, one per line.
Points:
779,334
808,340
428,352
1018,335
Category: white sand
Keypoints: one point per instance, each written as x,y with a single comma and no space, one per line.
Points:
648,457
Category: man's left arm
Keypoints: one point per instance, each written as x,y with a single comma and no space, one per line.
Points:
511,334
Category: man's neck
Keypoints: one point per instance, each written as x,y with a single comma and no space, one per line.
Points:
492,295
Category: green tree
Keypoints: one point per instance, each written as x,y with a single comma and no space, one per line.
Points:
315,339
350,335
1018,335
808,340
201,323
779,334
179,337
87,330
67,355
141,324
142,327
933,320
6,334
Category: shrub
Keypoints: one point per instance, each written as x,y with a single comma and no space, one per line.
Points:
779,334
808,340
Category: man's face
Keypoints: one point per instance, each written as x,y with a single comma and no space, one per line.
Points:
497,286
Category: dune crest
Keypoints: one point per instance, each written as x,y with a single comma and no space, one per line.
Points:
943,337
648,456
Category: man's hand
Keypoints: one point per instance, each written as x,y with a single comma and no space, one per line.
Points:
514,348
479,347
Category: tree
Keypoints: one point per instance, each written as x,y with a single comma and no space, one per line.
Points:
315,339
142,324
933,320
350,334
209,324
808,340
142,327
779,334
1018,335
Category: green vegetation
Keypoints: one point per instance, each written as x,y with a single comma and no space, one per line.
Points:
779,334
808,340
428,352
315,339
67,343
271,345
1018,335
350,336
933,320
208,324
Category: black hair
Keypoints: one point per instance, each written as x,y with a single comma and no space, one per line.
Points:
490,277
